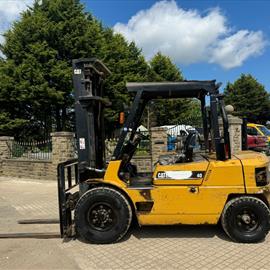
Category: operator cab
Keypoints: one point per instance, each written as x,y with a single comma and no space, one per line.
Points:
130,138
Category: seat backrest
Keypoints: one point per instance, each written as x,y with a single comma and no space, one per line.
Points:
189,145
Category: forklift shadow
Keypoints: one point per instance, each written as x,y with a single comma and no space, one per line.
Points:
177,231
174,231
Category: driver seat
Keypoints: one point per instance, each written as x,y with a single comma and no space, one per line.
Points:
186,156
189,145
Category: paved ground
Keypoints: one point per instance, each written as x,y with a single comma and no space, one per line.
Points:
185,247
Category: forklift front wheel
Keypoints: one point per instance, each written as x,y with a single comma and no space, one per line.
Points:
246,219
102,215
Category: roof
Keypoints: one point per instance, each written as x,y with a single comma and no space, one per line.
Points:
254,125
173,89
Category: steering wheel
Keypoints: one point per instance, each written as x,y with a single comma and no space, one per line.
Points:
131,146
128,151
141,136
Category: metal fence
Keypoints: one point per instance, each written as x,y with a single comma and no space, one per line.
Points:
34,150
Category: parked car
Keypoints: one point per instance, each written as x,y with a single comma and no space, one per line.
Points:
261,130
256,141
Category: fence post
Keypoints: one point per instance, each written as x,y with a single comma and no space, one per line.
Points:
63,146
159,139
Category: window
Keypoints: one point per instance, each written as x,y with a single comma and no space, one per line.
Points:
252,131
264,130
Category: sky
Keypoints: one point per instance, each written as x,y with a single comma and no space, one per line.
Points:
206,39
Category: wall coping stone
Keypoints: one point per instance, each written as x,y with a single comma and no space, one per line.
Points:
158,129
234,120
62,134
6,138
141,157
26,160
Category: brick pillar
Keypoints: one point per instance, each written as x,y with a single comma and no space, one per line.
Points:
235,130
158,143
5,146
63,146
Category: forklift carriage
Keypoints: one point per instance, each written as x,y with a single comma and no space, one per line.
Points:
190,188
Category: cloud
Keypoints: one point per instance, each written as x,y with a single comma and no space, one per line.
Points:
188,36
233,50
10,11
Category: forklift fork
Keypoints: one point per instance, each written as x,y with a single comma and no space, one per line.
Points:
67,176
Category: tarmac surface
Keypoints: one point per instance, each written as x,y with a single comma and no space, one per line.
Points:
170,247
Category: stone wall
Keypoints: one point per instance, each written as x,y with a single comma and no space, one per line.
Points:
62,150
33,169
143,163
159,144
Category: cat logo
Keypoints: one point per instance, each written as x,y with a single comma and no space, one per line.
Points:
180,175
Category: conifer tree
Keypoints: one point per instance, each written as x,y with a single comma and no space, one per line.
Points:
249,99
173,111
36,76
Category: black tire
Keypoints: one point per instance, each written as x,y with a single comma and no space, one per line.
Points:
102,215
246,219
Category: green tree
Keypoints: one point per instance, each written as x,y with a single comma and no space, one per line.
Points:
173,111
126,64
10,118
35,81
249,98
36,77
165,69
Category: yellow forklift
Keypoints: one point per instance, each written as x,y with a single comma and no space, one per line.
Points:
101,199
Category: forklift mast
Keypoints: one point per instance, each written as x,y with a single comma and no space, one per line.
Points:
88,78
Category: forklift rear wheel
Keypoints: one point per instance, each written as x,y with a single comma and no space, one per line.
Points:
102,215
246,219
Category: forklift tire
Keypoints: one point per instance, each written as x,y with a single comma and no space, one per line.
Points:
246,219
102,215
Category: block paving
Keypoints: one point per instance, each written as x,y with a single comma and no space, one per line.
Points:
170,247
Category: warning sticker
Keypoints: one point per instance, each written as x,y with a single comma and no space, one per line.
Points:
82,143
